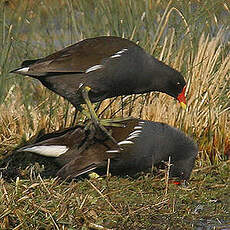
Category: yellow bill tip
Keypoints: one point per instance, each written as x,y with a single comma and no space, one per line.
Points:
93,175
183,105
87,88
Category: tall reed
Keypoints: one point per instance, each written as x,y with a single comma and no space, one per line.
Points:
185,35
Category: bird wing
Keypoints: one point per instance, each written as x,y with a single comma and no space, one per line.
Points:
77,58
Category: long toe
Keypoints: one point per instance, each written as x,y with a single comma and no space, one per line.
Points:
115,122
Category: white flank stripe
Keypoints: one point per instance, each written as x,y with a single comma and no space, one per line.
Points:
93,68
49,151
122,51
23,70
125,143
115,56
113,151
135,132
138,127
132,137
118,54
141,122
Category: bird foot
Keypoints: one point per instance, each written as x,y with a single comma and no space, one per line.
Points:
96,124
115,122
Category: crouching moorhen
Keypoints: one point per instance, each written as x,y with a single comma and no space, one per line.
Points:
103,67
141,144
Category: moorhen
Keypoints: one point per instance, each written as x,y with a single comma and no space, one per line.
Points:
142,144
103,67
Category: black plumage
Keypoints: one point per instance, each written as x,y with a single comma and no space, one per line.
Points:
109,66
141,144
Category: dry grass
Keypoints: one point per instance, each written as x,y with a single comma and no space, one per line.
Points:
117,203
204,64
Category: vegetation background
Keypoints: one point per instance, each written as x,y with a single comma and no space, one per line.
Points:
191,36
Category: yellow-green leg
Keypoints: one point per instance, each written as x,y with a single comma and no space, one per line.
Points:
93,115
99,122
105,122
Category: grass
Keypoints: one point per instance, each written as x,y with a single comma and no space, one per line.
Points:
120,203
191,36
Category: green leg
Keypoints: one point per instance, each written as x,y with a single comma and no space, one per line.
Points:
115,122
93,115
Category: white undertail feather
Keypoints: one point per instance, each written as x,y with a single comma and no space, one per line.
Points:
23,70
48,151
93,68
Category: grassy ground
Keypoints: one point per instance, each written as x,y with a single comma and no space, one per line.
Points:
191,36
145,202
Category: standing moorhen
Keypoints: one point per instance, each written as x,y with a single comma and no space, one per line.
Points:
141,144
103,67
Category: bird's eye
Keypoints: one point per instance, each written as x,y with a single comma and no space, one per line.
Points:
178,83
